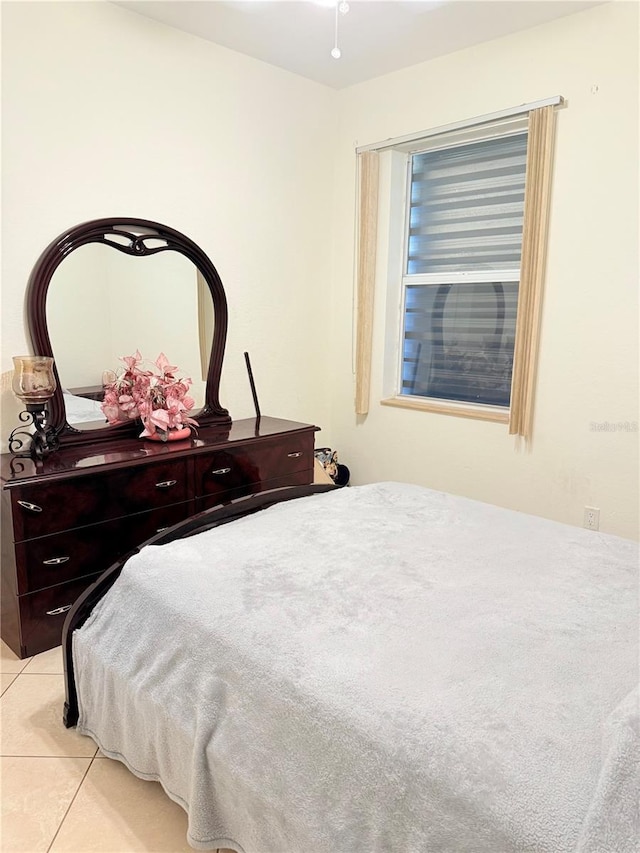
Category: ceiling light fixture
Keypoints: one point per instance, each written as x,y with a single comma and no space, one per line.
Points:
341,9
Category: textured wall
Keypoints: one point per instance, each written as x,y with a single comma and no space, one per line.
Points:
588,366
107,113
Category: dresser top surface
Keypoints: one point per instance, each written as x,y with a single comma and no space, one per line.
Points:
68,461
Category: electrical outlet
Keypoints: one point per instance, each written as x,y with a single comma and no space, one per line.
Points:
591,518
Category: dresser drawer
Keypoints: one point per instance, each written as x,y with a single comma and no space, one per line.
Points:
238,468
42,614
64,556
299,478
71,516
63,505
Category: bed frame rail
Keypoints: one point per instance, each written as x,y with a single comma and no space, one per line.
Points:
206,520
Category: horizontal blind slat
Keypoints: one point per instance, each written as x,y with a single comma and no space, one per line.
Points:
467,206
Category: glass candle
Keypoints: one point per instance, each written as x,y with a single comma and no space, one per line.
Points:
33,379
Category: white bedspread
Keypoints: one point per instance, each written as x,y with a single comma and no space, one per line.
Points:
82,410
382,668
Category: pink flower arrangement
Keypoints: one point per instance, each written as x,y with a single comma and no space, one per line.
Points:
157,397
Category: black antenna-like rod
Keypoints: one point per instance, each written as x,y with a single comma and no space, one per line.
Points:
253,388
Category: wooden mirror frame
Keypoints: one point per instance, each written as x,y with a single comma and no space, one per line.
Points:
127,235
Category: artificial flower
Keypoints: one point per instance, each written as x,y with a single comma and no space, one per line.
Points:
157,397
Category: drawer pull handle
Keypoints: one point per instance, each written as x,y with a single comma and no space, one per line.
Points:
59,610
221,471
162,529
30,507
56,561
294,455
166,484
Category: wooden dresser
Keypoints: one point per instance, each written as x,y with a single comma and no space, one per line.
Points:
67,519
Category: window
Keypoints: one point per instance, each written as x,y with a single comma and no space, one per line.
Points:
458,341
461,269
469,265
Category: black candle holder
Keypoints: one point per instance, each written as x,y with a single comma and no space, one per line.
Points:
39,443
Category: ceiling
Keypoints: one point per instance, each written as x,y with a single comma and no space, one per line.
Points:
375,36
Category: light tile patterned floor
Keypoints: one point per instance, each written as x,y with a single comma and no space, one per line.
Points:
58,794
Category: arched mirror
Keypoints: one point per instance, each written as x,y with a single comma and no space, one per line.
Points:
109,287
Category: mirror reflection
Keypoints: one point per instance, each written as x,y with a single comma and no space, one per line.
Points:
103,304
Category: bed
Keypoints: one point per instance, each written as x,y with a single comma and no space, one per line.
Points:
374,668
81,410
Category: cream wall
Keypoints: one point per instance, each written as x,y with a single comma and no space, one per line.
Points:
106,113
588,366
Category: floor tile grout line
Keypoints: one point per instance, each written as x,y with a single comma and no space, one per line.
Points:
73,799
84,775
22,755
11,755
13,681
18,674
92,759
23,672
25,663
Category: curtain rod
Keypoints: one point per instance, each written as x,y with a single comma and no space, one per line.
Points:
458,125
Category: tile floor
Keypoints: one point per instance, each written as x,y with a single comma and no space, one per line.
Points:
58,793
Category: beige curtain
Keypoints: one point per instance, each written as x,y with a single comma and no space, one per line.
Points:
368,162
534,239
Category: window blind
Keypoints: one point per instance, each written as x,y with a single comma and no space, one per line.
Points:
467,207
458,341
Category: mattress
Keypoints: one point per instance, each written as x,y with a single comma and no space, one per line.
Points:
378,668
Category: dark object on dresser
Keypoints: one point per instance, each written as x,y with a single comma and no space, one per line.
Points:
342,475
328,458
66,520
